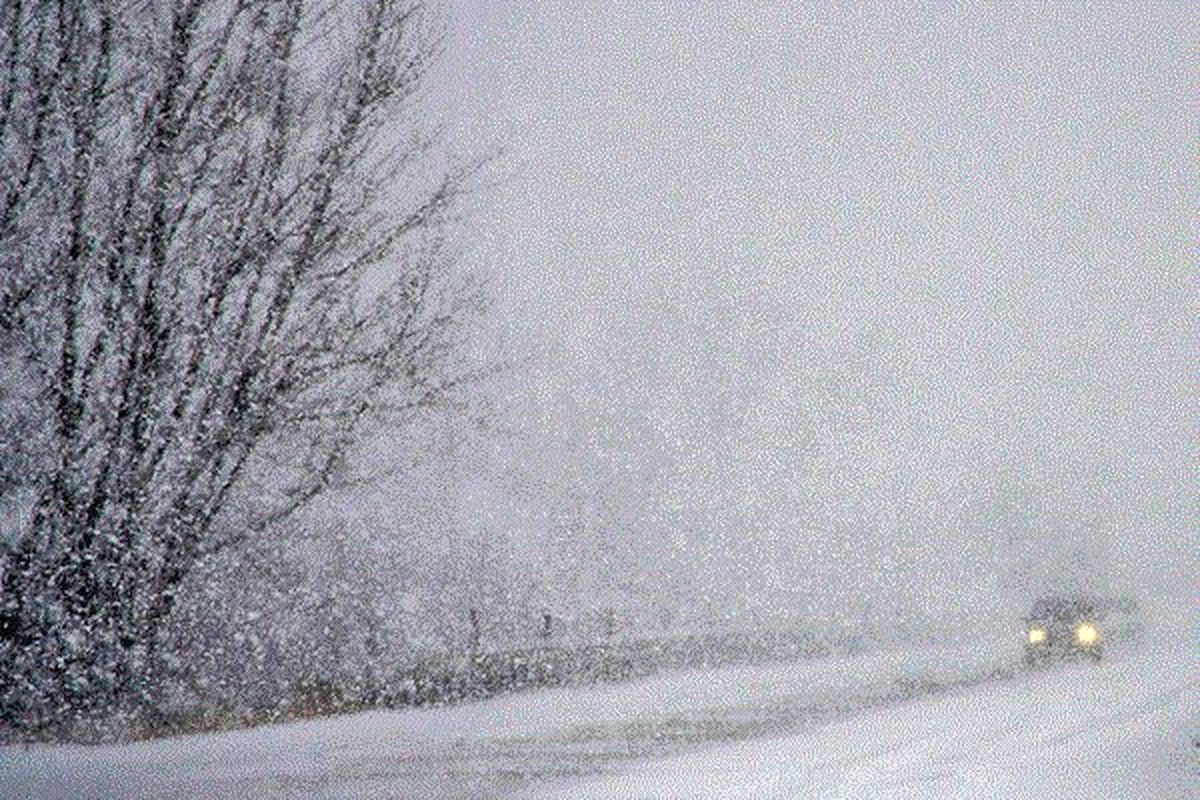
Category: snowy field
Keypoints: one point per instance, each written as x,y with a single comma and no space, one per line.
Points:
948,722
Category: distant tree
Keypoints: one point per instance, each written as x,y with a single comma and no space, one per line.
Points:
223,256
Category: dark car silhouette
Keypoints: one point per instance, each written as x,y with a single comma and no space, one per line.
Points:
1062,627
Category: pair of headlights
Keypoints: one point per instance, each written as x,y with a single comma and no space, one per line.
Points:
1086,634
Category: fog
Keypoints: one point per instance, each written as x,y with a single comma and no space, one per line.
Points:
598,399
825,308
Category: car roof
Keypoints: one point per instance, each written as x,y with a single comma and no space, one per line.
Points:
1064,604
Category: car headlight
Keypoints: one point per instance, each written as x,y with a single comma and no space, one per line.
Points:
1086,633
1037,635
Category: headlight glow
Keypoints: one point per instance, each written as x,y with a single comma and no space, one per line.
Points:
1037,635
1086,633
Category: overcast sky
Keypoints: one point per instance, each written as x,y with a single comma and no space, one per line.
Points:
807,282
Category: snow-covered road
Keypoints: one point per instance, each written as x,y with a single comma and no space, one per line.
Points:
1127,729
952,722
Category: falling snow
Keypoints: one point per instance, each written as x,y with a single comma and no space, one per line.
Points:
597,400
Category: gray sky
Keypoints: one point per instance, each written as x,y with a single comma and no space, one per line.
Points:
805,284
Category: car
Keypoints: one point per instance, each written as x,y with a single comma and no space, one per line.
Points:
1061,627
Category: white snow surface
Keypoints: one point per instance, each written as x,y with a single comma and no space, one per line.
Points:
831,728
1127,729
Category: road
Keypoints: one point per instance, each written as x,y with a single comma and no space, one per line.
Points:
1127,729
947,722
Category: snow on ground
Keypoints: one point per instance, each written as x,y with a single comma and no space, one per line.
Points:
937,722
1129,728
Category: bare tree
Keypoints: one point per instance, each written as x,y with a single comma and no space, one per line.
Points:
223,256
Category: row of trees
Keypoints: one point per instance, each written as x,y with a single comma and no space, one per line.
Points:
225,261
